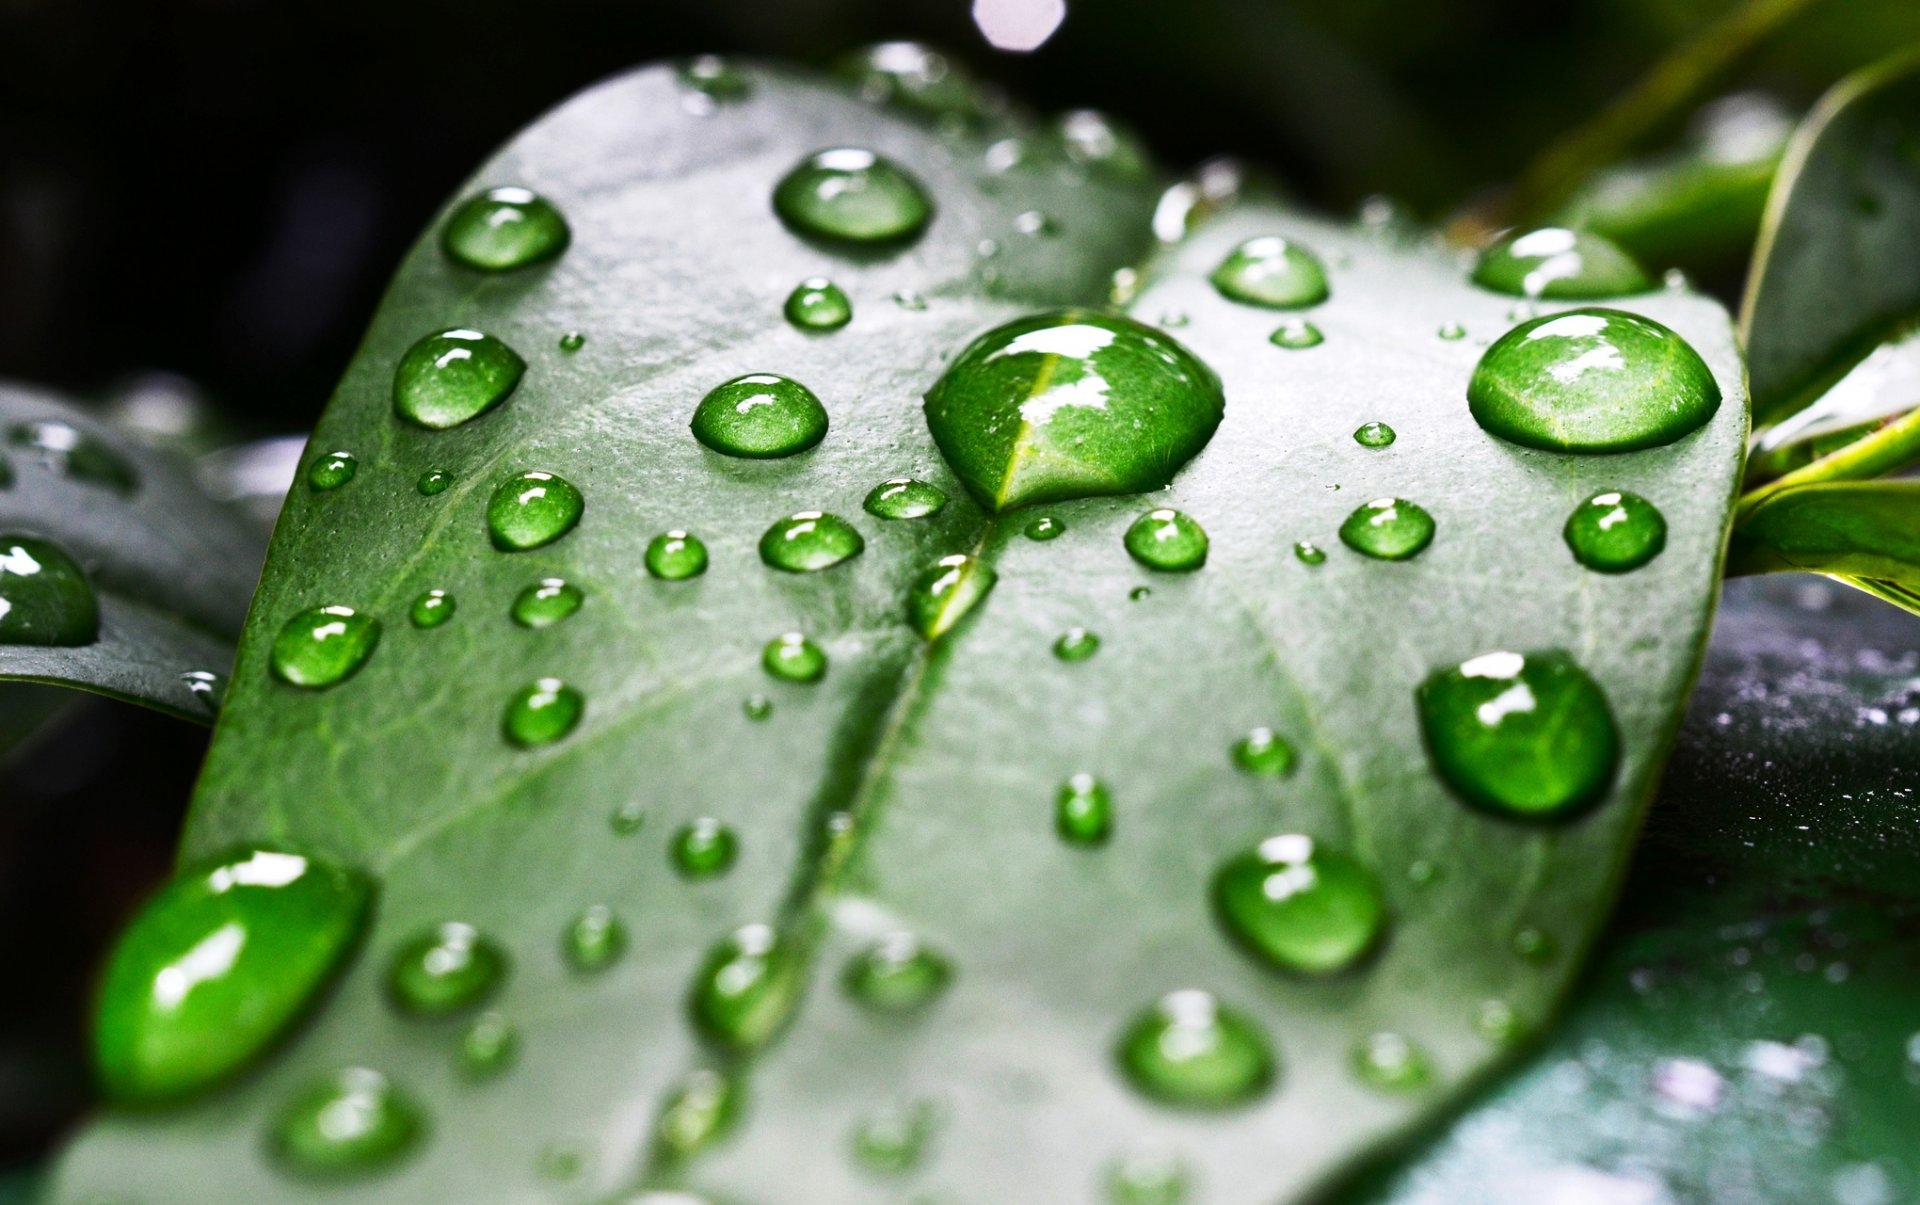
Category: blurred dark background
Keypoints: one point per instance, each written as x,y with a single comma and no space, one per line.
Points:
219,188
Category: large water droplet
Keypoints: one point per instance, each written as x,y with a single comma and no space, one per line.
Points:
1192,1051
1388,529
1374,435
817,304
45,598
892,1140
1559,265
700,1111
547,602
896,975
1591,380
348,1123
542,712
1083,811
1167,540
1071,404
330,471
1272,272
444,970
791,657
1615,532
1528,736
595,940
675,556
1264,752
905,498
217,965
431,609
704,848
504,228
852,196
1298,905
323,647
745,990
1390,1061
65,449
453,377
761,416
810,541
943,595
530,509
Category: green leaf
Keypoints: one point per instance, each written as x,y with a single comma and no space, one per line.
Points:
1867,533
171,568
914,788
1832,277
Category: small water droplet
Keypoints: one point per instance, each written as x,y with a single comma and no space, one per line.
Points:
1273,272
1033,223
850,195
547,602
595,940
65,449
1076,644
1299,906
488,1046
1560,265
704,849
346,1123
1046,527
1535,945
905,498
1374,435
896,975
943,595
791,657
208,689
1452,331
323,646
675,556
700,1111
572,342
892,1141
1392,1062
1140,594
504,228
431,609
1309,553
45,598
1173,320
454,377
1496,1021
914,77
910,301
1148,1179
711,81
1094,140
745,990
1388,529
760,416
628,818
1614,532
1083,811
543,712
434,481
1190,1050
1167,540
330,471
445,970
1264,752
817,304
1296,334
810,541
756,707
532,509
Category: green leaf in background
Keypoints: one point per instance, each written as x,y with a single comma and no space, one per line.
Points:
1866,532
779,936
148,579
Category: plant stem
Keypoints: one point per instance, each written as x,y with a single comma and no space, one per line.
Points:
1888,450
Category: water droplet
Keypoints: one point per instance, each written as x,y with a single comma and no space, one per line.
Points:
208,689
445,970
1615,532
65,449
330,471
1535,945
1309,553
1167,540
348,1123
1559,265
572,342
1148,1179
1496,1021
1528,736
943,595
745,991
817,304
757,707
851,196
712,80
434,481
1388,529
1083,811
791,657
217,965
323,647
810,541
431,609
595,940
531,509
488,1046
892,1140
912,302
1190,1050
1390,1061
1264,752
543,712
1071,404
504,228
896,975
45,598
914,77
1296,334
675,556
1272,272
1299,906
905,498
1452,331
1094,140
547,602
1374,435
704,849
628,818
1591,380
453,377
1046,527
1139,594
1076,644
700,1111
761,416
1033,223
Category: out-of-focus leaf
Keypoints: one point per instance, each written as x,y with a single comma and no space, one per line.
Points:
1864,532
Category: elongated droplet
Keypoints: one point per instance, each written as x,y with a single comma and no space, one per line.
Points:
1046,527
810,541
434,481
701,1110
905,498
1076,644
1558,264
595,940
547,602
1299,906
943,595
504,228
208,689
1615,532
760,416
1524,735
330,471
817,304
1390,1061
704,848
848,195
453,377
1167,540
1310,553
893,1140
1083,811
1296,334
1191,1051
675,556
1071,404
349,1123
217,965
1273,272
45,598
543,712
1374,435
896,975
431,609
791,657
1388,529
488,1046
449,968
1592,380
532,509
65,449
1264,752
323,647
744,992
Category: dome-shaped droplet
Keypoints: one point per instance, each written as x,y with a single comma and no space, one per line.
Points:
1296,334
543,712
1559,265
891,1141
1299,906
913,76
1071,404
1392,1062
1524,735
1095,140
595,940
330,471
1190,1050
712,80
1076,644
504,228
207,688
530,509
63,448
453,377
791,657
943,595
1388,529
1148,1179
1046,527
810,541
45,598
323,647
488,1046
700,1110
897,975
1309,553
704,848
431,609
760,416
1083,811
850,195
1614,532
1167,540
756,707
1452,332
905,498
444,970
216,966
1374,435
572,342
1264,752
1273,272
1592,380
346,1124
817,304
547,602
745,990
675,556
434,481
